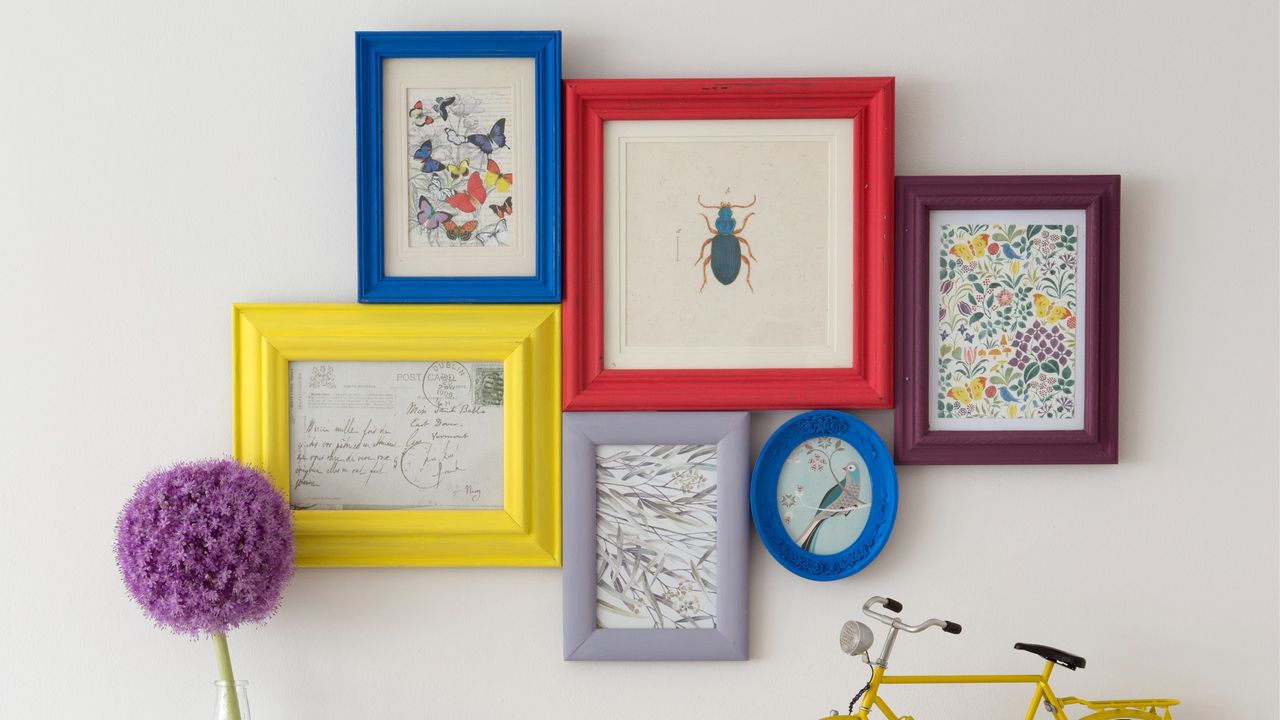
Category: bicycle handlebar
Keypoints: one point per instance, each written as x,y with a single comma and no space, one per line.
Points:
896,607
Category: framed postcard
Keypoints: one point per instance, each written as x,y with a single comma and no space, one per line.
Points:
406,435
728,244
824,495
1008,319
656,536
459,166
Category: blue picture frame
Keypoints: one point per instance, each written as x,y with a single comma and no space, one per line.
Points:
377,287
764,494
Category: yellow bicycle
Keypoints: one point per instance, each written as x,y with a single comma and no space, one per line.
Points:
856,639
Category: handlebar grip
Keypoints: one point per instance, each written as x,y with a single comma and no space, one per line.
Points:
892,605
948,626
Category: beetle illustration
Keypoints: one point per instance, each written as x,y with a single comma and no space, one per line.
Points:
726,259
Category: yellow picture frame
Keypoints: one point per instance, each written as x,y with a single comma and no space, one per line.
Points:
525,338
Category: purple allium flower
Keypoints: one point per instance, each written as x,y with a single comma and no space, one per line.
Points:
205,546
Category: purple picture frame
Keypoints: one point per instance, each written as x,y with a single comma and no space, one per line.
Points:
1099,196
582,432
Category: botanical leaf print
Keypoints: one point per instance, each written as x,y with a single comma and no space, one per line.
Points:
1007,321
656,536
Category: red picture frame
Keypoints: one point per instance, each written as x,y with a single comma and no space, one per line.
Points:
915,443
867,382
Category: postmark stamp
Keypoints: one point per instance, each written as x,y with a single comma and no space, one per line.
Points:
488,385
446,383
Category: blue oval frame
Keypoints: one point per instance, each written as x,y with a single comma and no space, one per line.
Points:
764,494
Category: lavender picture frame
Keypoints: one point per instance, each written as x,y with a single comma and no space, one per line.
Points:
1098,196
582,434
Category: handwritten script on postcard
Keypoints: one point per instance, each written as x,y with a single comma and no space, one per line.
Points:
395,435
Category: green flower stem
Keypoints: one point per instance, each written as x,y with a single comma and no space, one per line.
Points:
225,674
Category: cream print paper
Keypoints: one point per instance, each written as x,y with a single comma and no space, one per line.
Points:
459,158
790,182
395,435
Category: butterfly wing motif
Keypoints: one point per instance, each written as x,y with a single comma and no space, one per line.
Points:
503,209
495,236
962,251
979,244
442,106
460,232
495,179
496,138
454,136
966,394
419,116
459,170
429,217
969,251
437,192
429,164
1049,310
472,198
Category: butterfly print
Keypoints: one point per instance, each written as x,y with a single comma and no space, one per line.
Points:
429,217
495,179
461,232
442,106
461,184
502,210
419,116
496,138
470,199
496,235
1049,310
429,164
459,170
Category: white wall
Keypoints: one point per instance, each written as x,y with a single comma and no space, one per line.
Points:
159,162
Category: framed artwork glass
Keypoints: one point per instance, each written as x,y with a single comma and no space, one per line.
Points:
728,244
458,138
405,435
824,495
1008,319
656,536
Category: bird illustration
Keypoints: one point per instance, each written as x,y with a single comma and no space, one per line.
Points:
843,498
1009,253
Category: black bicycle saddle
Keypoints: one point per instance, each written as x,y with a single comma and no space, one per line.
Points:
1065,659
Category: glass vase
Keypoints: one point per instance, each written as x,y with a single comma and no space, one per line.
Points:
233,700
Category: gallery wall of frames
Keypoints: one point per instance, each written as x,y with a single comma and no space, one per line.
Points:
606,368
572,290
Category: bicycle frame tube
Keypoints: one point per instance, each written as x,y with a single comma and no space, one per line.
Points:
1043,692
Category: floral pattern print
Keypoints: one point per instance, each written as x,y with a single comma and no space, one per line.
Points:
656,536
1007,321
